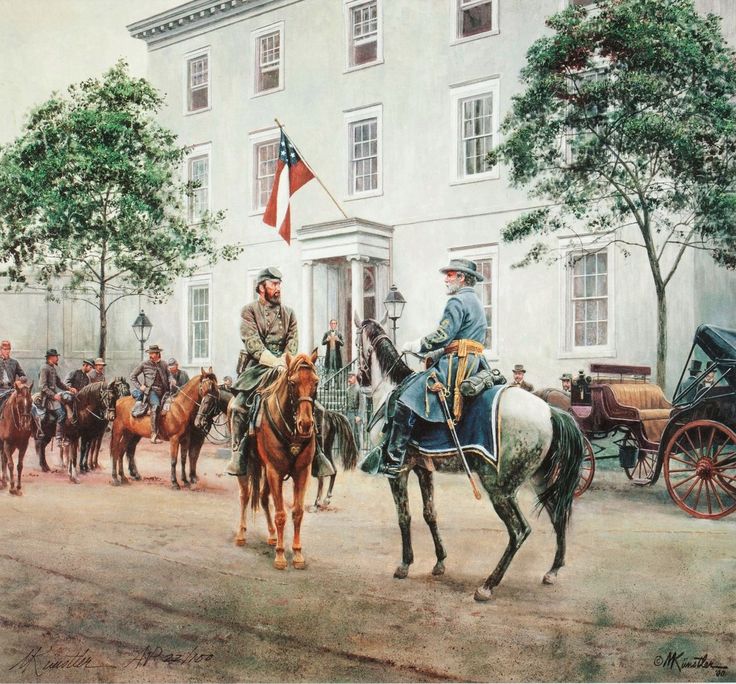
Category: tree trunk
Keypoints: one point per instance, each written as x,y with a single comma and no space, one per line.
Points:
661,336
103,322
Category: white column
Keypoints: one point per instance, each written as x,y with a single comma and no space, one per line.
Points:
306,324
356,292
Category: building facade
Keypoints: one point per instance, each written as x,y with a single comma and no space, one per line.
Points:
394,105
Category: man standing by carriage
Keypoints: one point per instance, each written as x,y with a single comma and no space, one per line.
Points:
157,380
460,336
268,330
10,372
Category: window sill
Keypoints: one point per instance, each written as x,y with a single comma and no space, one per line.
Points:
257,212
363,195
191,112
588,353
476,178
470,39
267,92
360,67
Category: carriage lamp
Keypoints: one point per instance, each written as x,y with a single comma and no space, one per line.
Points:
142,329
394,304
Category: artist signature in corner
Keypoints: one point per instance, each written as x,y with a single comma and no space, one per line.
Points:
679,661
40,660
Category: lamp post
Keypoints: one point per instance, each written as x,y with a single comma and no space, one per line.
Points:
142,329
394,304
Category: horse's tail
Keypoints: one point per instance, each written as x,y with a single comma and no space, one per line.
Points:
338,424
562,466
254,475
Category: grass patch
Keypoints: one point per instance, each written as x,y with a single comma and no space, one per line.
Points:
664,621
603,617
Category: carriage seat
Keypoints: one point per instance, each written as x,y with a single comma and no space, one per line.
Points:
649,402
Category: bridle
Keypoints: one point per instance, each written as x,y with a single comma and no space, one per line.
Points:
22,419
364,361
209,393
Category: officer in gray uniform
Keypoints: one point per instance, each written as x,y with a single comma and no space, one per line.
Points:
52,387
181,377
268,330
460,338
157,380
10,372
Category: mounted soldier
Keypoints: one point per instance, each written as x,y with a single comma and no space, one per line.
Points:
11,374
157,381
53,391
459,338
79,378
181,377
97,374
268,330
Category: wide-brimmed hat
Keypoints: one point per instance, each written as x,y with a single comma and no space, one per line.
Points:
89,362
52,352
99,362
519,368
464,266
566,376
153,348
268,273
172,362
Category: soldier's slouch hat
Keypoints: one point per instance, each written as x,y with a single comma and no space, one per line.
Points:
463,266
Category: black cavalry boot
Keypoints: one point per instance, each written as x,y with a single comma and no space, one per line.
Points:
321,465
398,441
238,464
154,424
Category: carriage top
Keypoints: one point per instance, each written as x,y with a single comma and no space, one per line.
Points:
710,368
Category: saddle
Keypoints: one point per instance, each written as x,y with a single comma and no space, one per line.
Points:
142,407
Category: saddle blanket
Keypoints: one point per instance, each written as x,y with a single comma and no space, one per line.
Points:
476,430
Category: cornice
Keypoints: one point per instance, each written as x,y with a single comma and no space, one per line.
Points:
197,16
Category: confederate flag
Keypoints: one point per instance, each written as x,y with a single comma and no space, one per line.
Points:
291,174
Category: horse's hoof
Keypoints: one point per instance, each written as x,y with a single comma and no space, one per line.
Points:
175,485
16,492
193,480
439,568
239,541
3,485
271,541
402,572
549,578
280,563
299,564
136,475
115,482
483,594
74,480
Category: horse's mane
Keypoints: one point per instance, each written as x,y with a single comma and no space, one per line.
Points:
283,378
389,359
90,389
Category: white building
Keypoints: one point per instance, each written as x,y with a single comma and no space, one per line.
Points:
393,103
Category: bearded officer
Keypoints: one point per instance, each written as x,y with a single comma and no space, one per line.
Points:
268,330
460,338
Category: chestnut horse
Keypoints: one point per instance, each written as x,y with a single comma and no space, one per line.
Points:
285,444
172,424
15,431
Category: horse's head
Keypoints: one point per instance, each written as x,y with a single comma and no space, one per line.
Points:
302,381
209,394
22,406
120,386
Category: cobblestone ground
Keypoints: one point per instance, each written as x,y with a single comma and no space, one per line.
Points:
142,583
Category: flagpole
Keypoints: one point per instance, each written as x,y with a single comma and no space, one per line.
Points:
319,180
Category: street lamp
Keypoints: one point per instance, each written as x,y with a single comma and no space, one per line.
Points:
394,304
142,329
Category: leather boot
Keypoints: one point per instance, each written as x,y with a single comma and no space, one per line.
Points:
154,424
321,465
238,464
398,441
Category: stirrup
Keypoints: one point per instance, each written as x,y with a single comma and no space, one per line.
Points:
392,470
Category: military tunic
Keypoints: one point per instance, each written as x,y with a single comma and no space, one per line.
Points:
51,384
525,386
462,319
77,379
95,376
156,375
10,371
181,377
264,326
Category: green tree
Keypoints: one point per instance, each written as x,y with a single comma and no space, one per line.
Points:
626,129
92,202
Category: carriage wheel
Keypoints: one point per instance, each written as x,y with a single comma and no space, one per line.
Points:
642,473
700,469
587,470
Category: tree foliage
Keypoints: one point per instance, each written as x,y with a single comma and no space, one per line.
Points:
92,201
628,121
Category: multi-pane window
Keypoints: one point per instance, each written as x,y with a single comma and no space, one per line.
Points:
582,87
476,133
198,83
199,321
589,299
474,17
265,157
198,176
363,38
268,61
363,156
485,292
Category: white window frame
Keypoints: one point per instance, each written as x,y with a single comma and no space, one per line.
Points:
590,244
198,281
455,25
195,54
197,151
352,117
257,140
348,7
487,253
256,36
459,94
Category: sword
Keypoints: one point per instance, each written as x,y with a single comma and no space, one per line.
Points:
439,390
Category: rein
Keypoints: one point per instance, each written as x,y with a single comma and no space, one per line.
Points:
296,442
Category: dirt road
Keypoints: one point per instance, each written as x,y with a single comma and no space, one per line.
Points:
142,583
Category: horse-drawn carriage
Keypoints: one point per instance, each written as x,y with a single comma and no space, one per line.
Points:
693,439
